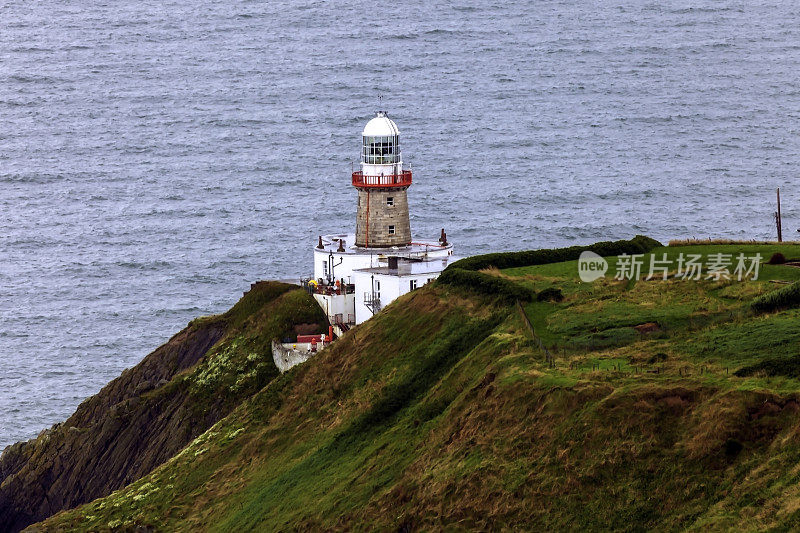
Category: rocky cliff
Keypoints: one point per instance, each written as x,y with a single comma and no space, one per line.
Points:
151,411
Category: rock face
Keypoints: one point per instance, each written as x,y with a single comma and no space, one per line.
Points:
112,439
135,423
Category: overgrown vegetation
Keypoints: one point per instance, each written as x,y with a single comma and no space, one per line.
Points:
776,259
787,366
485,283
783,298
241,363
550,294
464,272
737,242
148,414
665,405
638,245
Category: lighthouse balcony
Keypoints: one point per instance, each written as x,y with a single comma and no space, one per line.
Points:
403,179
321,286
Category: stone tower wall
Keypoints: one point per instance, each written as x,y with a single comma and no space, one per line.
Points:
381,216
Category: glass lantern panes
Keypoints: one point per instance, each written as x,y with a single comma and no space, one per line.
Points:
381,150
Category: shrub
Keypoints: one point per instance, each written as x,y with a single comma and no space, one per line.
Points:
638,245
783,298
550,294
463,273
787,366
485,283
776,259
732,448
607,338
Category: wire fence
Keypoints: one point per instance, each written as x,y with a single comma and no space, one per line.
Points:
548,357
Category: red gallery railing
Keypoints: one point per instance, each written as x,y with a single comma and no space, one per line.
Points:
403,179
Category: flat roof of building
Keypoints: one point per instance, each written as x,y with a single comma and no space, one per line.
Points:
330,243
412,268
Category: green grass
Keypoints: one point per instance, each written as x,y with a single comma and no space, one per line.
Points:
569,269
782,298
441,413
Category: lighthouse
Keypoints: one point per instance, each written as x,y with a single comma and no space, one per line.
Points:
382,183
357,274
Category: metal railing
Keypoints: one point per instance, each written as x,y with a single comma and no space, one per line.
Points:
330,290
372,301
403,179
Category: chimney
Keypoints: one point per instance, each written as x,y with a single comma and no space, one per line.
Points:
392,263
320,243
341,246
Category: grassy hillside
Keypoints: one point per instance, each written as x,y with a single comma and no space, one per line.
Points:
668,405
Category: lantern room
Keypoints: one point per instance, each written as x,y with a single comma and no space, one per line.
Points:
381,160
381,141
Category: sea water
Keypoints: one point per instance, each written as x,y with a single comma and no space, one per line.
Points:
156,157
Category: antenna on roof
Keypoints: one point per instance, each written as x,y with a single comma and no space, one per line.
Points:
380,112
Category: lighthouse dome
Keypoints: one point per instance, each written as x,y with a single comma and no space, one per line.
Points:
381,126
381,145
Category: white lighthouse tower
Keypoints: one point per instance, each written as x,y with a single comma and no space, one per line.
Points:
355,275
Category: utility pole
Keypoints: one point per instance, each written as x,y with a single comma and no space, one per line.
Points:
778,217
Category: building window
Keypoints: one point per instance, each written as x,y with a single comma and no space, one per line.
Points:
390,200
412,284
378,290
325,269
381,150
391,230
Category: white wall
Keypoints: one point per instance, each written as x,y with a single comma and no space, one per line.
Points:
434,252
391,288
363,283
386,170
349,262
337,303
